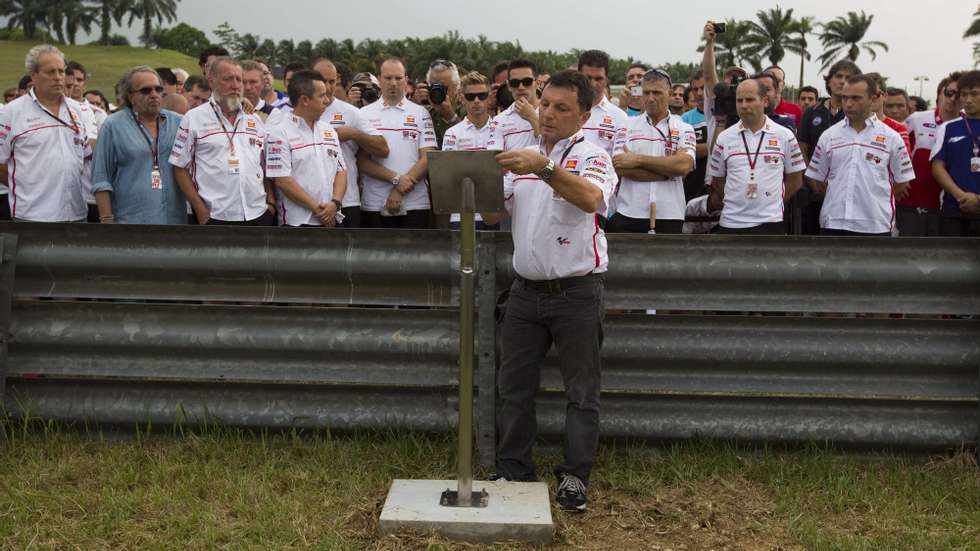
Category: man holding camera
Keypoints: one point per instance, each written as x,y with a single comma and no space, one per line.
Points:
443,85
719,113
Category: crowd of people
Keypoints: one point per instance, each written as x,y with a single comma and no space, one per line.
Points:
726,152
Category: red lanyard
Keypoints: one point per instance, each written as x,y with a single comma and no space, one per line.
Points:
73,126
154,145
234,130
748,154
668,145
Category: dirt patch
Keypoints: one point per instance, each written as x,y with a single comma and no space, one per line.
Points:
713,514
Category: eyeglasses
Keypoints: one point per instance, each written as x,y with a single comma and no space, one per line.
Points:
660,73
481,95
949,93
147,90
441,63
518,82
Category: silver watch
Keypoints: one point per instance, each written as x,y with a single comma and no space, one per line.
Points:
396,180
547,172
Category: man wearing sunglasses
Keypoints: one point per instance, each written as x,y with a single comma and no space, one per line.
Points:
131,184
517,126
918,212
473,132
607,122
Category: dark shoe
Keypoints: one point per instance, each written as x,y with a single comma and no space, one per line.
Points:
571,493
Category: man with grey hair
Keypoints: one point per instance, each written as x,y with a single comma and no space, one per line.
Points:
132,182
443,83
652,159
217,155
45,137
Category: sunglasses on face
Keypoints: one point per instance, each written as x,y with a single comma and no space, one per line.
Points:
517,82
147,90
951,93
482,96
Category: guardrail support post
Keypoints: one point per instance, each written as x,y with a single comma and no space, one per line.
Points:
8,261
487,348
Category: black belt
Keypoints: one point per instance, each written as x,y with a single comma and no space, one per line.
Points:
558,285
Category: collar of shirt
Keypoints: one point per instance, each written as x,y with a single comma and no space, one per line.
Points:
260,105
766,127
400,105
468,124
217,109
563,144
665,120
605,105
868,123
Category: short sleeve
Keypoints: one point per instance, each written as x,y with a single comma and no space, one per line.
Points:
428,135
496,140
597,169
717,166
820,160
793,156
449,141
689,141
278,157
180,155
899,162
6,133
938,152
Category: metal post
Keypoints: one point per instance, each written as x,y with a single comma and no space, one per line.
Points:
464,490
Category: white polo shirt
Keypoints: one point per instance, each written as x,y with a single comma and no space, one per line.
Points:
859,168
312,156
340,113
606,125
552,237
509,130
465,136
203,146
277,115
645,138
95,117
407,127
775,152
45,155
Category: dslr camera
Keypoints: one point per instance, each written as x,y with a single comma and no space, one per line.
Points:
725,99
437,93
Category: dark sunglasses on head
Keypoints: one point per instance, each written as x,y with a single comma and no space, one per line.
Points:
481,95
662,74
147,90
951,93
525,82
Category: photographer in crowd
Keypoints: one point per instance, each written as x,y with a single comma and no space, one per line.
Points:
443,90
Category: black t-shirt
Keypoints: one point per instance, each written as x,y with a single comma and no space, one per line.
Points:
694,185
816,120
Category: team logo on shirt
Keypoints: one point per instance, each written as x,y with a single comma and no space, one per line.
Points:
871,157
338,117
571,164
327,135
410,121
250,124
564,240
774,142
607,122
817,120
880,139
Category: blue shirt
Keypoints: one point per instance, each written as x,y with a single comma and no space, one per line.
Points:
123,165
693,117
955,147
630,112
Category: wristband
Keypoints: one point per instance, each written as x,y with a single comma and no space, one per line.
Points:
338,203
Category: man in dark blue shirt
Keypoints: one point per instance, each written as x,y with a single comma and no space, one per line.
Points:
956,163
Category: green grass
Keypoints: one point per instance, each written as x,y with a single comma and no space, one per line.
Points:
229,489
105,64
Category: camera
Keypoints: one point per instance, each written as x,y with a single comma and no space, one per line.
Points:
720,27
369,92
504,98
437,93
725,99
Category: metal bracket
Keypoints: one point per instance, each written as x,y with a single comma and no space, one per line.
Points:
450,498
486,377
8,262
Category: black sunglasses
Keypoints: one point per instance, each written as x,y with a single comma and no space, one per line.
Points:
662,74
481,95
525,82
951,93
147,90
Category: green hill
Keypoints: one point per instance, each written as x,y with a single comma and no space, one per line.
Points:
105,64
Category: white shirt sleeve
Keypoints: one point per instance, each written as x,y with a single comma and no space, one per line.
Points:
427,137
183,149
278,157
449,141
820,161
940,139
792,156
899,162
717,165
6,133
689,141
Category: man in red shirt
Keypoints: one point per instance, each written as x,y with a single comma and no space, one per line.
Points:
784,107
917,212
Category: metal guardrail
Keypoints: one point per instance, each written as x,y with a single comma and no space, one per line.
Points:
270,327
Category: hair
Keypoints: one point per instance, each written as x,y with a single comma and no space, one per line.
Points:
594,58
897,92
969,79
658,75
868,80
687,93
294,67
167,76
196,81
344,74
777,67
10,91
105,100
32,61
572,79
881,83
302,85
950,78
442,65
216,51
251,65
180,73
499,67
811,89
393,59
76,66
521,64
216,62
638,65
762,87
318,60
697,74
920,103
24,83
676,86
842,65
769,74
126,82
474,78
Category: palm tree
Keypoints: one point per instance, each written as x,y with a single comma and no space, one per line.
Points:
26,14
772,35
109,11
148,10
71,16
845,34
974,30
803,27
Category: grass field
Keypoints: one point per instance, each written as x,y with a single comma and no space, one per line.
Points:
229,489
105,64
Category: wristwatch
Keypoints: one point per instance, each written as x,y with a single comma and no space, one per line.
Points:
547,172
396,180
338,203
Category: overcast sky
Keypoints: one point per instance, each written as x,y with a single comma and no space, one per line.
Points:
924,38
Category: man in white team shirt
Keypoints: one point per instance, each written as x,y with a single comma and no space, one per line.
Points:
302,155
395,193
862,164
652,159
748,167
44,139
555,193
217,155
607,122
355,133
473,132
517,126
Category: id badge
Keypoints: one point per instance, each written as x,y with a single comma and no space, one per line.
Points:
234,167
975,164
752,192
156,182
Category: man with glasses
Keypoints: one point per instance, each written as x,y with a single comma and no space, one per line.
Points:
657,152
956,161
918,212
443,87
217,155
517,126
473,132
132,182
633,104
607,123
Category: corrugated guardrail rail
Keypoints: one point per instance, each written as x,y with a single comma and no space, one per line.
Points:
270,327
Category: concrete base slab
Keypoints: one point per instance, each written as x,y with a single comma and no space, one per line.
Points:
515,511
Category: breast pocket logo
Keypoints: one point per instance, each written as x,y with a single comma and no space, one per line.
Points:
564,241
